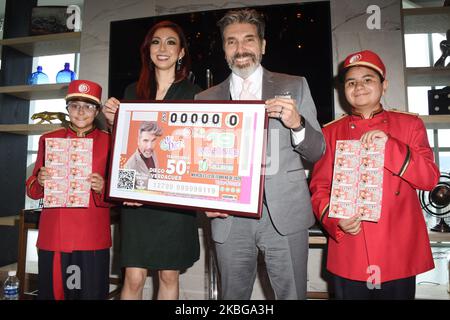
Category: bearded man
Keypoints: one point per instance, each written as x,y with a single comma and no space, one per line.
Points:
294,136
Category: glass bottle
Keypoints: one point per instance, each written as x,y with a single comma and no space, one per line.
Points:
65,75
38,77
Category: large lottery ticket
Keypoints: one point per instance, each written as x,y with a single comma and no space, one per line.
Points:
357,180
69,162
198,155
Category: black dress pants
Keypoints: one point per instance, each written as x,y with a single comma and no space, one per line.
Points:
85,275
401,289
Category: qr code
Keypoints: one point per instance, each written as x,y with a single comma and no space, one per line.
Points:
126,179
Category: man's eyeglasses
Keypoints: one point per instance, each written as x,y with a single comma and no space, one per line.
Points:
87,107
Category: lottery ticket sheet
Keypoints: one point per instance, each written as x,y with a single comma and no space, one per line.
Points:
69,162
357,185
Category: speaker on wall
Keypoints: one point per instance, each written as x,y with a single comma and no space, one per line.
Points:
439,101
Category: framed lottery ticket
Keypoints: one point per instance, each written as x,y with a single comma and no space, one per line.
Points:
198,155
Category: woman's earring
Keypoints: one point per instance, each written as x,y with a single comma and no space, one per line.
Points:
179,64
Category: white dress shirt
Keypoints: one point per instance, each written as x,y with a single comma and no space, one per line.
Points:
256,90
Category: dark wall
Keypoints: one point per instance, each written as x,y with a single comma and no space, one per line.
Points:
298,40
15,68
9,238
13,156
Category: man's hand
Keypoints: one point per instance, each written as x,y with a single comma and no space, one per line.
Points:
284,109
43,175
97,182
215,214
370,136
109,110
351,226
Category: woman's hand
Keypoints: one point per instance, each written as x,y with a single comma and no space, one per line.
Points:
97,182
133,204
109,110
215,214
43,175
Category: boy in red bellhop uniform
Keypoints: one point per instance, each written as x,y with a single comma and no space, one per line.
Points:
73,243
377,260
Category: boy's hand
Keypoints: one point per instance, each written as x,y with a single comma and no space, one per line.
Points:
97,182
351,226
370,136
43,175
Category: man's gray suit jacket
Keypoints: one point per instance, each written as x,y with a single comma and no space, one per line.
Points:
287,195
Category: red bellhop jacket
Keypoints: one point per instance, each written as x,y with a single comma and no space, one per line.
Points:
70,229
398,243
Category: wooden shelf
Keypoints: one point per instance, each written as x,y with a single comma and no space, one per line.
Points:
317,240
45,45
439,236
426,20
9,221
436,121
434,236
428,76
38,91
28,129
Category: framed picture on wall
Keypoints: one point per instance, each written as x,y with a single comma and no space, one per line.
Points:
49,20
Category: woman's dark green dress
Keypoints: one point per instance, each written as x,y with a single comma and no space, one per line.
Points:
159,237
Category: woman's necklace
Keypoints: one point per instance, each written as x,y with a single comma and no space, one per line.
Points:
162,92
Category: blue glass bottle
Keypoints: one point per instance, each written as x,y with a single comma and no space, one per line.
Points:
38,77
65,75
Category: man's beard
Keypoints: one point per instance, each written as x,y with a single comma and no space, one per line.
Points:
245,70
146,154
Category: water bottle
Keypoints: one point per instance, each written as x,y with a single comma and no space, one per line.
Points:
448,284
11,287
38,77
65,75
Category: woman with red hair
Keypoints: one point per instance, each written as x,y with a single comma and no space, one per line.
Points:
158,238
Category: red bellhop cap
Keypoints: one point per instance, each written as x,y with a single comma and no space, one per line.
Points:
84,90
365,58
